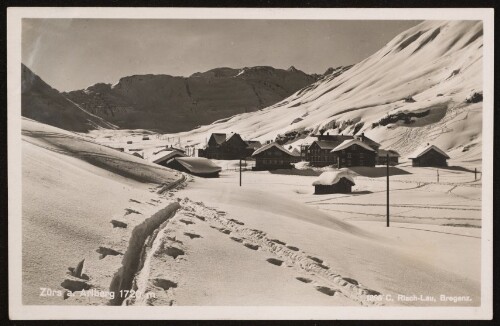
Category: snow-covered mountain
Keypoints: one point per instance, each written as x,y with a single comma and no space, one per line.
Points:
45,104
172,104
425,85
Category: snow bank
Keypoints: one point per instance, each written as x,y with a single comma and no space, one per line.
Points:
132,259
72,191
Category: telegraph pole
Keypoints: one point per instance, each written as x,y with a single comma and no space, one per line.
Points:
240,172
387,157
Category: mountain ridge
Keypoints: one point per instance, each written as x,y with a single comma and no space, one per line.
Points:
175,103
415,89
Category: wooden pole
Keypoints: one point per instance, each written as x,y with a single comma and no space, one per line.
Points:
387,157
240,172
437,171
475,174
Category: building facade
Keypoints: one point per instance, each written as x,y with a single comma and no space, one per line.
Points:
431,156
382,157
343,186
271,157
221,147
354,153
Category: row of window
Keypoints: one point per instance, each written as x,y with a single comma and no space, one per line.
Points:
273,162
329,157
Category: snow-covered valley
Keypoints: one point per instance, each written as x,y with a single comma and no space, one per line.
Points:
269,242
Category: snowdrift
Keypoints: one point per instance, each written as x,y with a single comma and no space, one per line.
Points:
71,190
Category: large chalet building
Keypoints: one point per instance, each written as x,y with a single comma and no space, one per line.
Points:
272,157
354,152
221,146
322,152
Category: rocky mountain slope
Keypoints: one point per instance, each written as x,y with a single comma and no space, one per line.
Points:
172,104
45,104
425,85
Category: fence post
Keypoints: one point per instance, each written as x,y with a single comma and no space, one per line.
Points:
387,162
240,172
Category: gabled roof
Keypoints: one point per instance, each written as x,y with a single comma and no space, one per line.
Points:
219,137
233,135
367,140
198,164
295,152
421,151
332,177
384,152
268,146
165,155
327,144
348,143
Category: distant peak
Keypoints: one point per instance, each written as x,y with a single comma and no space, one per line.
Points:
292,69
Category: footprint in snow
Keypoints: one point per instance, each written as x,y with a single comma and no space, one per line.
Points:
326,290
192,235
274,261
251,246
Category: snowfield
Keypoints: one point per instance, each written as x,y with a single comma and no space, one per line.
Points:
249,246
195,241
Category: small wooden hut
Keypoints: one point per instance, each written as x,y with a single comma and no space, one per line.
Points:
198,166
333,182
429,156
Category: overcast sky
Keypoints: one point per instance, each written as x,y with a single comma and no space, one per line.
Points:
72,54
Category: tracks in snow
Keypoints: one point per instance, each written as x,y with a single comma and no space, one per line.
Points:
310,269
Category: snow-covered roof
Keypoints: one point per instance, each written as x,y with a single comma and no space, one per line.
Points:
421,151
348,143
327,144
232,135
198,164
332,177
268,146
367,140
219,137
165,155
295,152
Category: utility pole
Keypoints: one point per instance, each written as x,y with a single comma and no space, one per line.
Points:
437,171
387,157
240,172
475,174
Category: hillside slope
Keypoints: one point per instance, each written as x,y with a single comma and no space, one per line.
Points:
173,104
416,89
72,190
45,104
